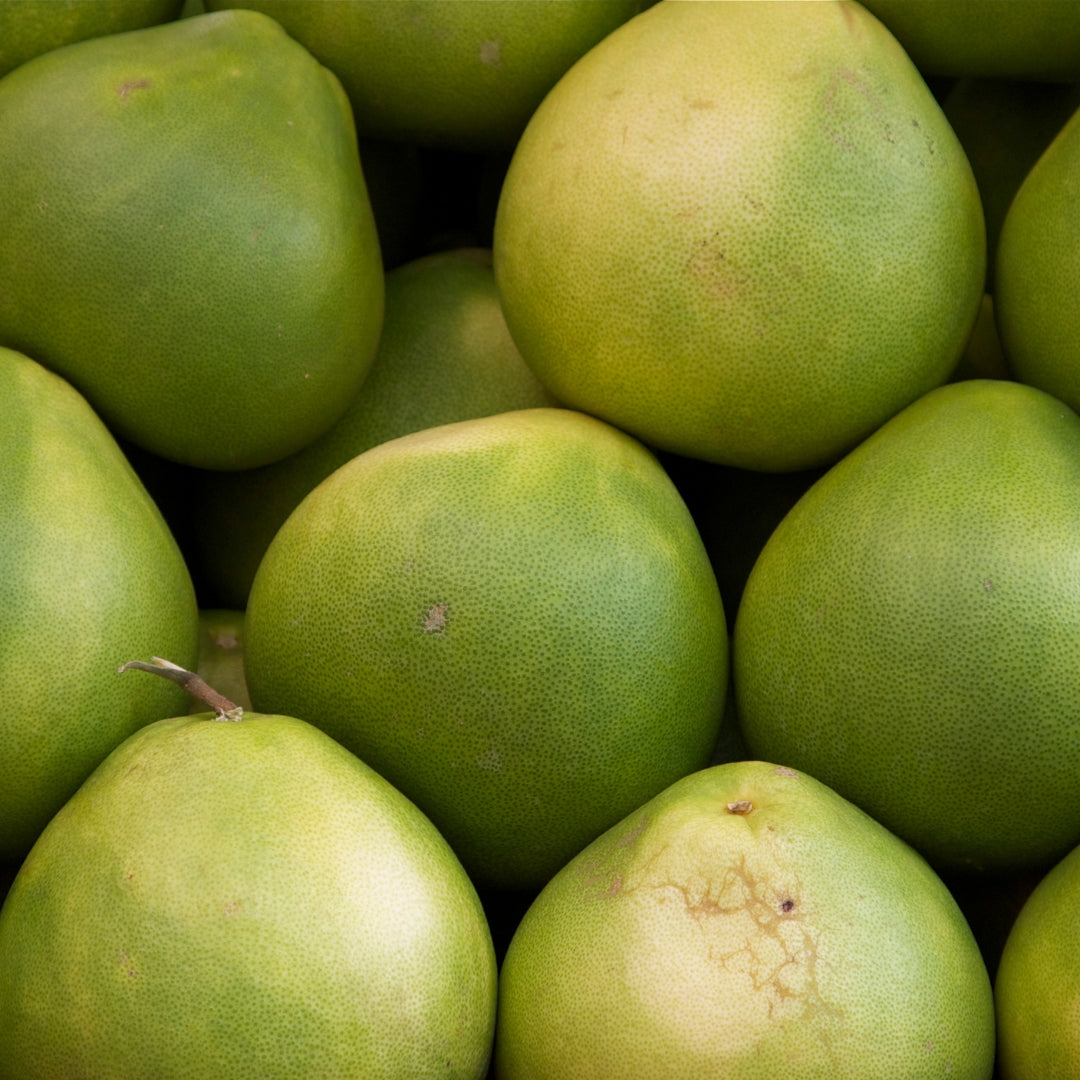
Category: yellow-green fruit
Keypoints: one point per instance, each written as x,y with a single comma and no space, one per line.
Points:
1038,259
1037,989
988,39
221,656
185,235
741,231
31,27
747,922
466,74
444,355
89,577
910,632
242,899
513,619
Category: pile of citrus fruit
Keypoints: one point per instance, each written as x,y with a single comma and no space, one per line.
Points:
539,539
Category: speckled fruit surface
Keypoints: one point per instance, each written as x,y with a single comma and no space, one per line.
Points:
512,618
213,288
89,577
909,633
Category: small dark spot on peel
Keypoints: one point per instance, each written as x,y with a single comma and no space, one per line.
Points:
787,905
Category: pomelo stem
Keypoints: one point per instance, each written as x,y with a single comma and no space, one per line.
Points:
194,684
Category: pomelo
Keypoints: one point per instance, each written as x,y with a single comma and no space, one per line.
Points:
1038,259
1036,40
242,899
1037,989
910,632
512,618
741,232
746,922
186,236
464,74
89,575
31,27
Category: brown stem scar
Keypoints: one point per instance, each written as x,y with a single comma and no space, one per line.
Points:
194,684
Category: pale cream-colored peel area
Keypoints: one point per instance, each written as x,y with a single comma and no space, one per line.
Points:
740,940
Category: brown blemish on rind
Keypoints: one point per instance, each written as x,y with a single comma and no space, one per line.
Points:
125,88
779,953
740,806
434,619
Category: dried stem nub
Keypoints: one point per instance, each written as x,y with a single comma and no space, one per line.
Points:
194,684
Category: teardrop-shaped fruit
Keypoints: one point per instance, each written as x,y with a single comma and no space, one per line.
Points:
89,576
910,634
746,922
741,231
227,899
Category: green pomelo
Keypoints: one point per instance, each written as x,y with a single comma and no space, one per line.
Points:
242,900
445,355
1037,989
747,922
910,632
983,356
466,74
1038,260
513,619
988,39
221,656
1004,127
89,576
185,235
742,232
31,27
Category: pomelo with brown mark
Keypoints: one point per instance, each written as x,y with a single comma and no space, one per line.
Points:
747,922
512,618
742,232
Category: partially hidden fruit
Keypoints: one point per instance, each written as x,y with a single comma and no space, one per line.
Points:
1037,989
89,574
1037,40
512,618
465,75
746,922
1037,262
445,354
31,27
